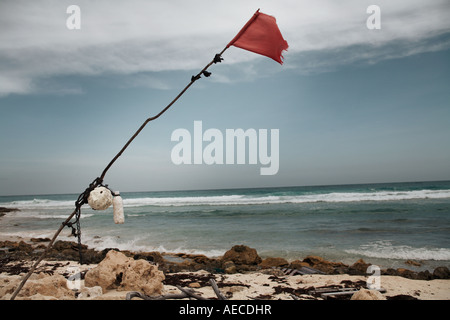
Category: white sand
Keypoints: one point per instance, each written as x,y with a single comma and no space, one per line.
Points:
257,284
260,284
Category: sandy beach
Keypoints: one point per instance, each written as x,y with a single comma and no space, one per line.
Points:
58,279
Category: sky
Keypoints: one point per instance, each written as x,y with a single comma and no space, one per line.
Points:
351,104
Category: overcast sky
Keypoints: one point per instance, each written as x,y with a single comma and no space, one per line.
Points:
352,105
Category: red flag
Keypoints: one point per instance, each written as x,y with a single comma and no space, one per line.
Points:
261,35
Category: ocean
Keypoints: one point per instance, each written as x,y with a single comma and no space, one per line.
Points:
384,224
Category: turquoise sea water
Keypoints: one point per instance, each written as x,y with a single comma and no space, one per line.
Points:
385,224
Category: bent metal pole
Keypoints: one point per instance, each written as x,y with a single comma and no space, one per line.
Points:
98,181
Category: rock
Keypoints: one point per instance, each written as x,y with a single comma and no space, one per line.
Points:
323,265
359,267
21,246
61,245
49,286
389,272
364,294
91,256
313,260
68,250
88,293
194,285
406,273
273,272
39,297
229,267
201,259
413,263
154,257
273,262
424,275
241,254
24,247
142,276
5,210
297,264
108,273
441,273
120,272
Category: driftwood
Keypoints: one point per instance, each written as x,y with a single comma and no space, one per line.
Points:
185,293
82,199
216,290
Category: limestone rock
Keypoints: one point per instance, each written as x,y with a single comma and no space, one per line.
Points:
364,294
441,273
68,250
229,267
49,286
120,272
194,285
323,265
100,198
153,256
4,210
297,264
406,273
241,254
273,272
38,296
106,272
12,246
273,262
359,267
413,263
88,293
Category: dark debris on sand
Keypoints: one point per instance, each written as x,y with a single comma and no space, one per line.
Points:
239,259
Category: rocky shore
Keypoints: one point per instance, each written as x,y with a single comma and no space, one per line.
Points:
4,210
240,274
238,259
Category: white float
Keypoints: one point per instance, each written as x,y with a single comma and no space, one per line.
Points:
119,216
100,198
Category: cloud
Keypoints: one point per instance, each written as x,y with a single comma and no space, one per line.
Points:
135,37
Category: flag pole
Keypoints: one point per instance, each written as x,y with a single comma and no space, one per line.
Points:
268,27
82,199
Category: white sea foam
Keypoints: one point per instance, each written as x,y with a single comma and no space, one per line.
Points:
39,203
139,244
237,199
271,199
385,249
37,214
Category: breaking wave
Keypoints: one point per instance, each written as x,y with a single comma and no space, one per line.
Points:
276,199
237,199
385,249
